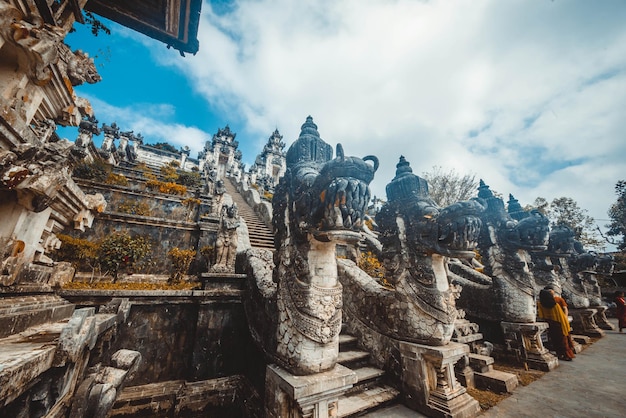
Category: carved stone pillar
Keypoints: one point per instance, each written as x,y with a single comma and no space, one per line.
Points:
310,313
524,341
311,396
583,322
429,383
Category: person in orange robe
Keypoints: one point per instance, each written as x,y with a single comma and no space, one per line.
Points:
620,309
559,329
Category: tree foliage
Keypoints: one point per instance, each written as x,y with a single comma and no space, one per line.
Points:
617,213
119,251
449,187
96,24
82,253
97,170
164,146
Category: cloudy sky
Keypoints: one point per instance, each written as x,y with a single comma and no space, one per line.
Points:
528,95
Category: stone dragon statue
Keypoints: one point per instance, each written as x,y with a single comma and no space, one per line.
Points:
505,290
578,272
417,238
318,203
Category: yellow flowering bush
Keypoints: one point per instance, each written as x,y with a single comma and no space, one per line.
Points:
369,263
181,260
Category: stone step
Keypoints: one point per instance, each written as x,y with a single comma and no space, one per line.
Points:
353,358
13,304
34,314
346,341
254,234
260,235
496,381
367,377
368,373
366,400
480,363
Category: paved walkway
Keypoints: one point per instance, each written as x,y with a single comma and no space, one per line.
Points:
593,385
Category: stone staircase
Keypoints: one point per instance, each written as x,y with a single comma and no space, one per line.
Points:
260,235
369,393
18,313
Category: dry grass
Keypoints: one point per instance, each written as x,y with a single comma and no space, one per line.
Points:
488,399
130,286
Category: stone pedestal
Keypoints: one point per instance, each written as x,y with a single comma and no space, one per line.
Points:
310,396
523,340
601,320
583,322
429,383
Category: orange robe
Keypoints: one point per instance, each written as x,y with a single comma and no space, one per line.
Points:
559,330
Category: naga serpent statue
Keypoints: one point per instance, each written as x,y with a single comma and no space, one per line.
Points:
294,309
578,273
417,238
569,259
505,290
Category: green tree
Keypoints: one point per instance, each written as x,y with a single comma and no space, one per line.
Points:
617,213
119,251
449,187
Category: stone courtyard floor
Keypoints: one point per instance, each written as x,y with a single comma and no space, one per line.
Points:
593,385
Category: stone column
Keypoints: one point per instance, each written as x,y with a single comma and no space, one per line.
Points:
429,383
311,396
524,341
310,313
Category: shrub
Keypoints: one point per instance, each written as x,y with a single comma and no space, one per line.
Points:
97,170
80,252
166,187
134,208
190,201
189,179
117,179
169,172
181,260
143,167
120,251
208,252
369,263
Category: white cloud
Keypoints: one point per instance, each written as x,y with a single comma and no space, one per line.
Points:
527,95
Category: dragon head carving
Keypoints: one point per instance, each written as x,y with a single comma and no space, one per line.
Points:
411,222
318,193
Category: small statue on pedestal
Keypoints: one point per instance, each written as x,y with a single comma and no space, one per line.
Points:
226,244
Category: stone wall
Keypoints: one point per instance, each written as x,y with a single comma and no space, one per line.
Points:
181,335
170,224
